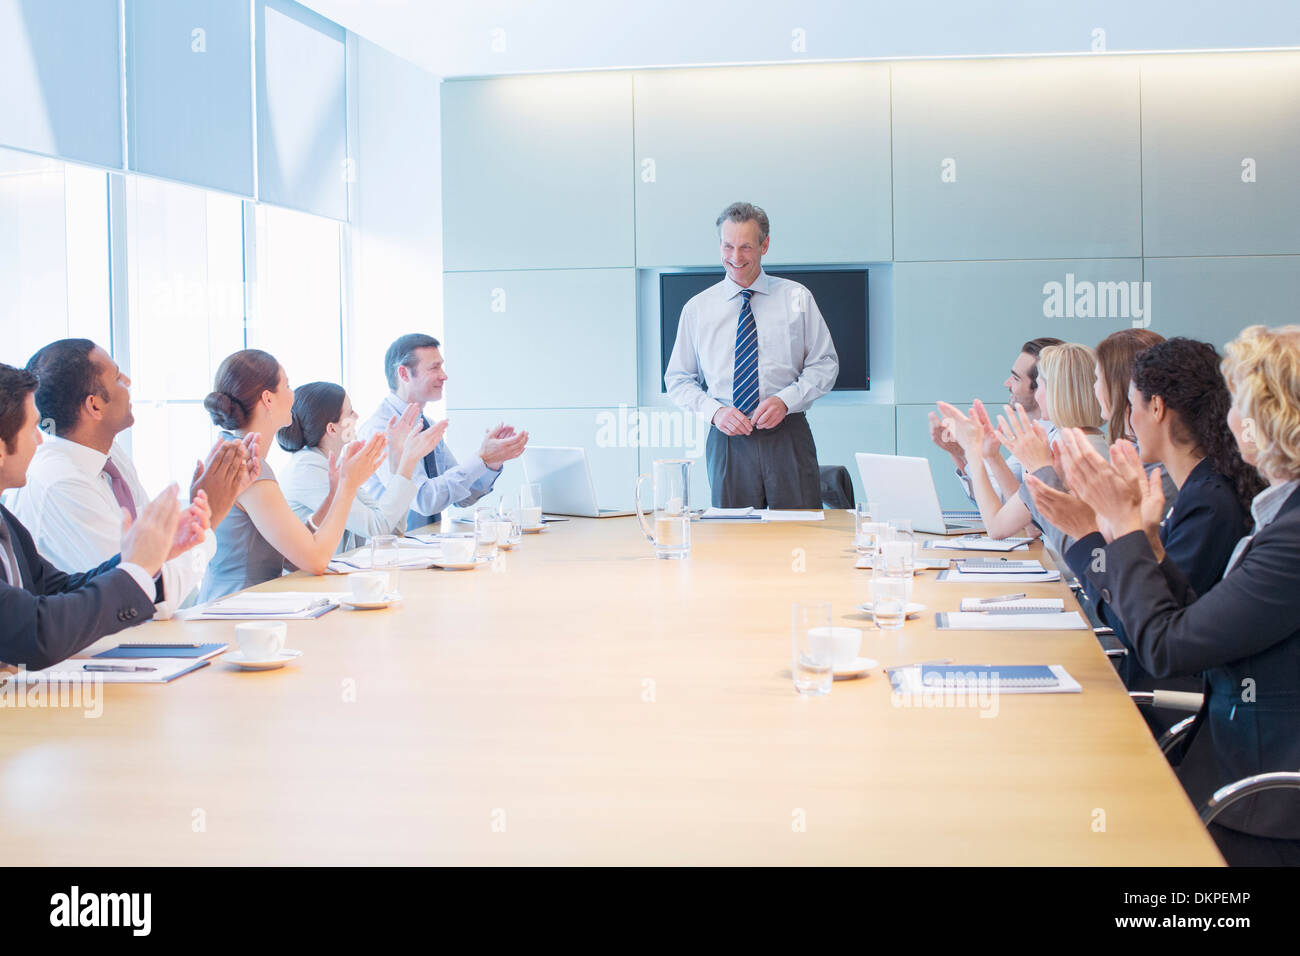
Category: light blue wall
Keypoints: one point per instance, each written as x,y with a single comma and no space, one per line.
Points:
1071,171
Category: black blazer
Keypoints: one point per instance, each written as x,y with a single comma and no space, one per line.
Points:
58,614
1199,536
1243,634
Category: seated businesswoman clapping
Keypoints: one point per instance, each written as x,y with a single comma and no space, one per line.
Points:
261,532
324,424
1179,415
1065,394
1243,632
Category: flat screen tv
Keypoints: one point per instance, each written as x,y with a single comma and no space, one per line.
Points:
840,294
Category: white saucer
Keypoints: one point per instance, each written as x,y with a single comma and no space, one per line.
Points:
534,529
284,657
356,605
858,667
913,609
448,566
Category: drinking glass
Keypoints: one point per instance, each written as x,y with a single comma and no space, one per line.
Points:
385,555
485,531
811,662
867,534
530,504
889,600
509,528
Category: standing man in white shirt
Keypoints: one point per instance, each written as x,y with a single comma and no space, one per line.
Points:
414,368
81,483
753,353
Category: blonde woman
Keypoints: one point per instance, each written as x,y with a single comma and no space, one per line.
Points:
1065,394
1243,633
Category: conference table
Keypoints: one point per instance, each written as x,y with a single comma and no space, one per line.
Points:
581,702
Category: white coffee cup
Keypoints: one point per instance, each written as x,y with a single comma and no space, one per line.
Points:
260,640
368,585
458,548
840,643
530,517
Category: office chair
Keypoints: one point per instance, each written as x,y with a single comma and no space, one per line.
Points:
836,487
1229,793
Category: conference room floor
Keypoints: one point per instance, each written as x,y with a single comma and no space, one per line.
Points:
583,702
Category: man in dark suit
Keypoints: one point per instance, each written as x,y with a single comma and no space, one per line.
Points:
47,615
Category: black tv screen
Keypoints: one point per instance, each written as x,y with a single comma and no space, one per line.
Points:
840,294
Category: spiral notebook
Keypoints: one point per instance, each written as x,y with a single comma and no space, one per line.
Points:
977,542
986,678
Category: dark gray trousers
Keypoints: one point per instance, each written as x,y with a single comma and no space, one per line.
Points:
768,468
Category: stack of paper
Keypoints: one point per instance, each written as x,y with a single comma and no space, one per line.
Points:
1004,577
1014,606
769,514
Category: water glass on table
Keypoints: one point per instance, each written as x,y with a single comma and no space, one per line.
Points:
867,533
385,557
486,532
530,504
889,595
812,661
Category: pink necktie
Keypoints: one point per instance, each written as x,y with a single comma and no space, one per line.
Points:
120,491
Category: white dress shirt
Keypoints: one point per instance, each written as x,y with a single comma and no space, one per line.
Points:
69,507
796,358
1263,508
306,484
454,484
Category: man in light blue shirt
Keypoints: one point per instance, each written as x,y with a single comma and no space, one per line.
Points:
752,354
414,368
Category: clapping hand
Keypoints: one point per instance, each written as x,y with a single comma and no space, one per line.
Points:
1024,438
359,461
148,540
193,525
1115,498
969,430
1128,463
501,444
399,430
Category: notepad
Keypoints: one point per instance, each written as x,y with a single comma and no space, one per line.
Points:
412,558
769,514
266,606
1015,606
998,566
978,542
731,514
961,577
984,679
165,670
1013,621
128,651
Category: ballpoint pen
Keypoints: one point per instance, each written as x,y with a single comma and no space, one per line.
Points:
117,667
1000,598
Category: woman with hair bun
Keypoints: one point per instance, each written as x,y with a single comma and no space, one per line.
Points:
324,424
251,395
1243,632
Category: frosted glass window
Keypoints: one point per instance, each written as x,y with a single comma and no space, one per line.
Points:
297,289
54,261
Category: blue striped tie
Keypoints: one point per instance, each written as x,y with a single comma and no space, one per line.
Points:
744,383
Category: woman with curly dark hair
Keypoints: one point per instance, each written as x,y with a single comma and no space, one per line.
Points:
1179,405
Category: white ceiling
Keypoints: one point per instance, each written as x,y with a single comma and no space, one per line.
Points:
457,38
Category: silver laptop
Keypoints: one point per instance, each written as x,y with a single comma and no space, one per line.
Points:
565,477
903,487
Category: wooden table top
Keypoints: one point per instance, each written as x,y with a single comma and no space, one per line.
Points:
583,702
